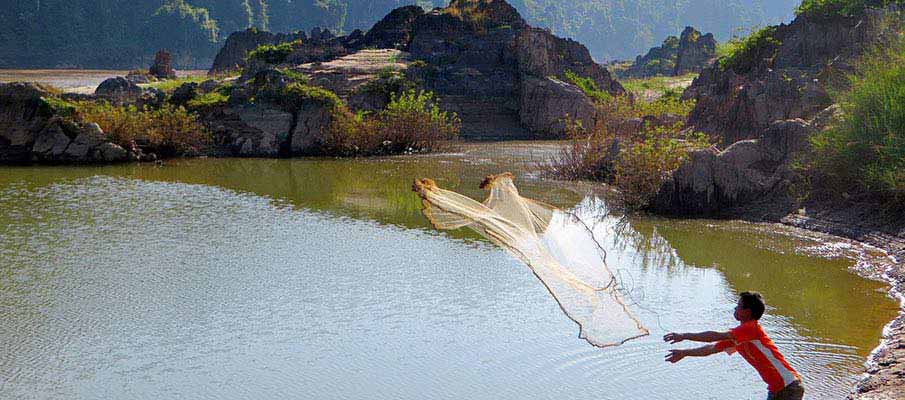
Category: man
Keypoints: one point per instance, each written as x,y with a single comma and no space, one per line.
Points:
750,340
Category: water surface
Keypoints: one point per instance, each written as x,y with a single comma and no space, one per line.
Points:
318,278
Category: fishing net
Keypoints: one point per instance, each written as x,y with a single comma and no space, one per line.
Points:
557,246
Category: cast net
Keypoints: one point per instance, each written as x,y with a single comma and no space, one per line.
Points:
557,246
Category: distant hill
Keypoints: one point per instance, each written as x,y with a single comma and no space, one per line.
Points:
125,34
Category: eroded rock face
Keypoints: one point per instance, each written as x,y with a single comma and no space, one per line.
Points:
695,51
545,101
713,181
786,80
395,30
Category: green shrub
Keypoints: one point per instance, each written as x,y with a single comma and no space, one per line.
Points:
387,83
272,53
210,99
865,152
295,76
168,131
742,55
588,86
412,122
53,105
297,94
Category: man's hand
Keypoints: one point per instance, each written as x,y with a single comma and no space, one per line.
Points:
673,338
675,355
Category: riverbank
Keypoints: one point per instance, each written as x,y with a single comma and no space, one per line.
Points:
885,375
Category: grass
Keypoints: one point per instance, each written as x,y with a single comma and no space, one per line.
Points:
659,85
53,105
170,85
298,94
588,86
864,153
742,55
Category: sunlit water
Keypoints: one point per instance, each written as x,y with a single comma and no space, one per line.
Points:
318,279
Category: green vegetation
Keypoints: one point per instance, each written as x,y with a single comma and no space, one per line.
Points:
389,82
742,55
297,94
169,85
588,86
169,131
864,153
295,76
658,85
412,122
56,106
272,53
834,8
206,100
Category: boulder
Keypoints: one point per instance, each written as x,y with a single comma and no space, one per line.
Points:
23,113
118,90
208,86
151,98
712,181
51,142
184,93
163,66
547,102
139,77
252,130
89,137
110,153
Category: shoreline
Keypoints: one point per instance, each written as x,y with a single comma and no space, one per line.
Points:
884,376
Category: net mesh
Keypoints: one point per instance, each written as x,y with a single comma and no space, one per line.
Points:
557,246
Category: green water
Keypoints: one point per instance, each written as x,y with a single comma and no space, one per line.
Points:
238,278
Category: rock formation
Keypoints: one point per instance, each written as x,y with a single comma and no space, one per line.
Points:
691,52
118,90
31,130
232,56
784,79
163,66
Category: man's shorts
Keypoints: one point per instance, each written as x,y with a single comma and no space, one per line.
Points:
792,391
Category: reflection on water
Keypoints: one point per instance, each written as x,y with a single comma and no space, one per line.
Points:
305,279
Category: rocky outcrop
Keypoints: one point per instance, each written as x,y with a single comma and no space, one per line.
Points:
695,52
163,66
32,131
481,60
544,102
232,56
714,182
786,78
689,53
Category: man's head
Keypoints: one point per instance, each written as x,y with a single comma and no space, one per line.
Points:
750,306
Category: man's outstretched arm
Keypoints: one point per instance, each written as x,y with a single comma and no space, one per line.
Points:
675,355
709,336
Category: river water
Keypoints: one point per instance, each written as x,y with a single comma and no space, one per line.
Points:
319,279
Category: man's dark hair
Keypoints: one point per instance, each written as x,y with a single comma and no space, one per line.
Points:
755,302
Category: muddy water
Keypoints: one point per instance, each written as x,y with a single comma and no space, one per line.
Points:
249,278
70,80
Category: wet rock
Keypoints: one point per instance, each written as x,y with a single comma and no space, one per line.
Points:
163,66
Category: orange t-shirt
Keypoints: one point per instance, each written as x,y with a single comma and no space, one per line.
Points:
750,340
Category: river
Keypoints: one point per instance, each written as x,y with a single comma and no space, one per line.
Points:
319,278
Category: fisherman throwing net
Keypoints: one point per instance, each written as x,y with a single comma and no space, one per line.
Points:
558,248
